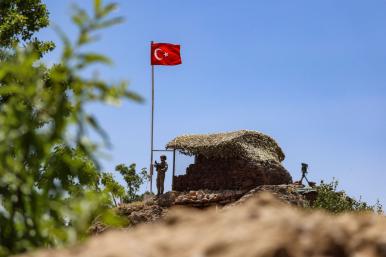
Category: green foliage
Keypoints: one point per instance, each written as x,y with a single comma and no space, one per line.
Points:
49,178
133,180
111,186
120,194
69,171
19,20
338,201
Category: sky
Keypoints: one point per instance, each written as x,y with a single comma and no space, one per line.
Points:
310,74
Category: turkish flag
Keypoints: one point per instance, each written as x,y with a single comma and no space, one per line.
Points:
165,54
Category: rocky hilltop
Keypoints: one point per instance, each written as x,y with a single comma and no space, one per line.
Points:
261,226
155,208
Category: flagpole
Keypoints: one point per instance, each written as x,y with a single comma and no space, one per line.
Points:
152,127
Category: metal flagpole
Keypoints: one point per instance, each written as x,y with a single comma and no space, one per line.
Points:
152,127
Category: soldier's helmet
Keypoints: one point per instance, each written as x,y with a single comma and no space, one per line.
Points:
163,157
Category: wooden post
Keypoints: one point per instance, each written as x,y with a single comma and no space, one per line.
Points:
174,167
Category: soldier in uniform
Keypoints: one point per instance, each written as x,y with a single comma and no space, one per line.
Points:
161,170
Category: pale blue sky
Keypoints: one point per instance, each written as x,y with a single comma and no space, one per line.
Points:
311,74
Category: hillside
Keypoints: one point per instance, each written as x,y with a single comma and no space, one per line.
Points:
262,226
155,208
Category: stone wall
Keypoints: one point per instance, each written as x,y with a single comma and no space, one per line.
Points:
218,174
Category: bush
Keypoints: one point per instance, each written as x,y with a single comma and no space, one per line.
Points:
338,201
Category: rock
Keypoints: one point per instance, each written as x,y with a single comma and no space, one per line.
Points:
285,193
141,213
167,199
155,208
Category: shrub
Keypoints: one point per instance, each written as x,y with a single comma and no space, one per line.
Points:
338,201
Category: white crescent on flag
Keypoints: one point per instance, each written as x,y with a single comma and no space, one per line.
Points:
156,54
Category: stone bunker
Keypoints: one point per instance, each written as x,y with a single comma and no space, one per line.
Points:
239,160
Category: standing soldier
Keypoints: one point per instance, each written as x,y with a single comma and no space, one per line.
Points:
161,170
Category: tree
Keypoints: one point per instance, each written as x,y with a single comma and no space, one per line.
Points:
19,20
40,205
132,179
112,187
117,191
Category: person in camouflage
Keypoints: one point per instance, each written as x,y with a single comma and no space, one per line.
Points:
161,170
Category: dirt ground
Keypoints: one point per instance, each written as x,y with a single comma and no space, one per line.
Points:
262,226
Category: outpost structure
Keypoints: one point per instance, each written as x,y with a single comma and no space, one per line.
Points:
240,160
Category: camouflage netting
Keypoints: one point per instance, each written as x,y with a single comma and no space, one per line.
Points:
246,144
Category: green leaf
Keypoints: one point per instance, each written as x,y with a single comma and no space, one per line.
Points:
134,96
68,50
12,89
108,23
108,9
94,124
89,58
97,7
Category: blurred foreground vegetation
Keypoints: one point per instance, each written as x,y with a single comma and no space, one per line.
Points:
51,187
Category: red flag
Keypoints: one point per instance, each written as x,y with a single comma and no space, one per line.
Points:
165,54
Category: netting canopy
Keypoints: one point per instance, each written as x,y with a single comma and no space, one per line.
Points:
245,144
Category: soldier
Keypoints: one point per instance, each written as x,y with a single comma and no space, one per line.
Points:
304,173
161,170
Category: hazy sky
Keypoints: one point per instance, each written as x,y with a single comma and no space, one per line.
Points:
311,74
